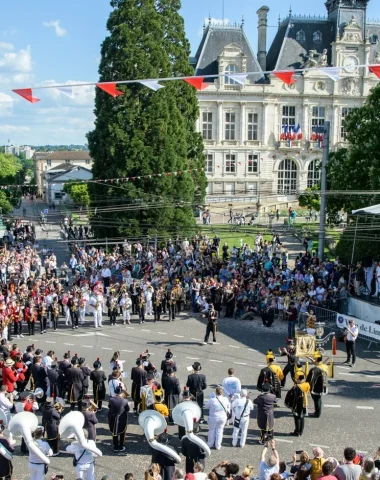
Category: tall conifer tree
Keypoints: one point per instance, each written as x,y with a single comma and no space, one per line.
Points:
144,132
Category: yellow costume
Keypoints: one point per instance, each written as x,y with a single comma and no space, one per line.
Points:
276,369
161,408
305,387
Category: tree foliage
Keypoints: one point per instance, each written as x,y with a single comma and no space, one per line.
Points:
78,192
310,198
145,132
358,166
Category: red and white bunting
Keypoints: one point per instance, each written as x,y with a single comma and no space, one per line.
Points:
27,94
375,69
286,77
332,72
196,82
239,78
152,84
110,88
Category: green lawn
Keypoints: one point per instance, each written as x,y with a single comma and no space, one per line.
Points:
247,234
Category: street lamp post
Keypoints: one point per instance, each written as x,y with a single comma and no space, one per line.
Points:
325,129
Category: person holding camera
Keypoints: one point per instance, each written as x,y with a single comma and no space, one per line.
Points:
270,466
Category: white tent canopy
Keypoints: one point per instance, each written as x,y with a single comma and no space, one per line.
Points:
373,210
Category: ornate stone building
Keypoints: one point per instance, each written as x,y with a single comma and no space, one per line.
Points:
246,158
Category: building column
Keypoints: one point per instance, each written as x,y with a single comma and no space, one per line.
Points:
264,123
220,123
305,126
243,123
335,134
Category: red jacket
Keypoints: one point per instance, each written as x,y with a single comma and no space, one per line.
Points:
9,378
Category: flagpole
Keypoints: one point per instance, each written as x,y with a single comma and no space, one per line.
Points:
322,214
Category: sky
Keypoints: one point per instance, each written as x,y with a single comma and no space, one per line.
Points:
47,42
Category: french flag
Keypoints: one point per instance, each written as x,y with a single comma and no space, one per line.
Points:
284,132
298,132
314,136
321,137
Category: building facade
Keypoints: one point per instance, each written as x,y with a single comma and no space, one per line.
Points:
243,125
47,164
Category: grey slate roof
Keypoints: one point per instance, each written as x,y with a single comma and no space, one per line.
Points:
215,39
287,52
374,29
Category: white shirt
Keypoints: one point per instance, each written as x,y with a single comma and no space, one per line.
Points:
45,449
354,329
47,361
239,409
218,406
5,403
77,450
231,385
106,273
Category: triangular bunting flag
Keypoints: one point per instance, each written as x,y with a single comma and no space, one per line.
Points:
238,78
110,88
375,70
68,91
332,72
286,77
196,82
152,84
27,94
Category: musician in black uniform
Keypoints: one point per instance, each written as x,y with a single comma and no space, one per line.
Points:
196,383
171,301
157,304
54,379
90,419
165,461
63,365
212,324
75,379
117,419
134,293
39,376
98,378
138,377
172,388
86,374
73,305
28,358
168,364
6,467
193,452
50,421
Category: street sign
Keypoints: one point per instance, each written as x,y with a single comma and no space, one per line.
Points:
46,211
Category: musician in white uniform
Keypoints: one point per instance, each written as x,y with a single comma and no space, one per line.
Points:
85,468
126,305
36,466
231,385
241,409
219,407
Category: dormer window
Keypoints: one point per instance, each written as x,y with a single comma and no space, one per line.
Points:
374,39
300,36
231,69
317,37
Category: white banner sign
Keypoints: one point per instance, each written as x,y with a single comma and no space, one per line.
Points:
371,330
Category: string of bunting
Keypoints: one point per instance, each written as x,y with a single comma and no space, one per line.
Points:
141,177
198,82
24,185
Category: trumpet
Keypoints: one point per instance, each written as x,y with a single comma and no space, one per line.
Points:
59,405
93,407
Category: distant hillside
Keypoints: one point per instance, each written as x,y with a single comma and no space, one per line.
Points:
56,148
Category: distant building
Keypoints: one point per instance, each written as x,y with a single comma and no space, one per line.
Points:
45,162
28,152
259,138
12,150
56,177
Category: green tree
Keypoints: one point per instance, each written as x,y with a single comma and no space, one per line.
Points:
78,192
144,132
310,198
5,204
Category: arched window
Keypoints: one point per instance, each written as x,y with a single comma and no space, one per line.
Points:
313,173
300,36
231,69
317,37
374,39
287,177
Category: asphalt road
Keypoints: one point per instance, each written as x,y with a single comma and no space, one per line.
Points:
348,418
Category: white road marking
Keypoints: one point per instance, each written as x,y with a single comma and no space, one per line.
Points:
199,340
161,333
193,358
218,361
364,407
179,336
128,351
87,346
332,406
372,376
233,346
261,365
316,445
68,344
106,348
131,328
341,366
283,440
46,341
252,350
145,330
344,373
239,363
